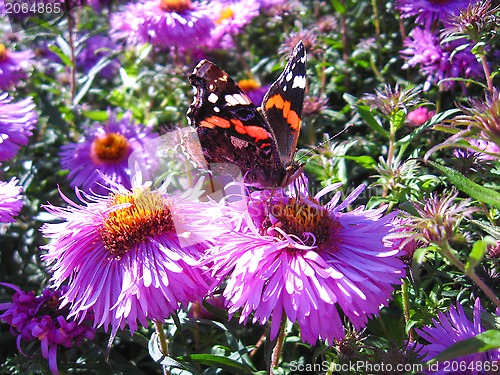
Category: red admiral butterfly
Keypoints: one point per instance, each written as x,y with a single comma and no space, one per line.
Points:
261,142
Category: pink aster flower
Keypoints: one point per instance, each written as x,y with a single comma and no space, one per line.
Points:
11,200
103,153
33,317
438,61
451,328
126,258
17,120
427,11
164,23
230,19
288,256
419,116
13,66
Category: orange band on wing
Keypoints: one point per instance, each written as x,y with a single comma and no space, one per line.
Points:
275,101
256,132
215,122
291,116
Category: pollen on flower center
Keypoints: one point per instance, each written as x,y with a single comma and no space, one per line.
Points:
3,52
248,84
298,217
111,148
177,6
225,14
147,215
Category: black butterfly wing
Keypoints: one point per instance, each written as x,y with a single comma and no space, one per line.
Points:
231,129
282,105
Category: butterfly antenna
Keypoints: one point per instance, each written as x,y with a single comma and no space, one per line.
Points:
348,126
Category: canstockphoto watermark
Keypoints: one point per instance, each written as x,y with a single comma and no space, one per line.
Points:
357,367
365,367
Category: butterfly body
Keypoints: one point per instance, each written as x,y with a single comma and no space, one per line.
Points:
261,142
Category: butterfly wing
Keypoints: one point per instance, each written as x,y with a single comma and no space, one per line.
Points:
282,105
231,129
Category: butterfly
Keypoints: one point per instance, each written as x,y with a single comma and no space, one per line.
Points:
260,142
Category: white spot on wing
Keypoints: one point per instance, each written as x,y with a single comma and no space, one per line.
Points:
212,98
289,76
299,81
236,99
216,109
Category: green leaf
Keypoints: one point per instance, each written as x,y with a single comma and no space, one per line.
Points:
469,187
436,119
398,119
480,343
158,356
232,366
96,115
365,160
366,114
488,228
477,254
338,6
58,51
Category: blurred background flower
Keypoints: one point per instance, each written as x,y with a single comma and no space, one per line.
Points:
17,122
102,153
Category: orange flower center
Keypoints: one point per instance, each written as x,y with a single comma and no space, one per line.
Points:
177,6
298,217
225,14
147,215
249,84
3,52
111,148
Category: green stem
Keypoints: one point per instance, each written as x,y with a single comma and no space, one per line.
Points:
163,342
377,18
449,253
406,306
487,73
278,348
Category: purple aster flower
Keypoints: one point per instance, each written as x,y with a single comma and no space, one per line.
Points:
427,11
33,317
17,120
289,256
127,257
451,328
96,48
103,153
266,4
13,66
491,150
164,23
254,90
230,19
439,61
11,200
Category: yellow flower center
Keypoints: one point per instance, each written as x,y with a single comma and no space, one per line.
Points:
111,148
249,84
298,217
177,6
147,215
3,52
225,14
